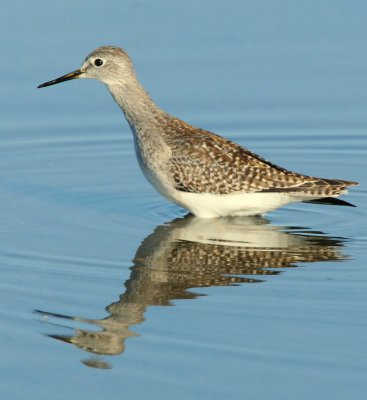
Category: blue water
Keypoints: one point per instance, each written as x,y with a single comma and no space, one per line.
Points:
109,291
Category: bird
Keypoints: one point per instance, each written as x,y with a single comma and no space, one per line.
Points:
205,173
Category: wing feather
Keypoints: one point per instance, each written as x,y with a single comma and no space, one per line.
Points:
204,162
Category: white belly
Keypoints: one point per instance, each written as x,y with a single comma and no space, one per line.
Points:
206,205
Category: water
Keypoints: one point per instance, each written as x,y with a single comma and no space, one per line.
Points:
107,290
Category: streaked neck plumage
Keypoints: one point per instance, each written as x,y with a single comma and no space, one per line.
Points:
140,110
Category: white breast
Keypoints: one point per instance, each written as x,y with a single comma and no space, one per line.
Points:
207,205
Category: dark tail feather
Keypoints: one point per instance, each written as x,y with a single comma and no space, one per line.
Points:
330,201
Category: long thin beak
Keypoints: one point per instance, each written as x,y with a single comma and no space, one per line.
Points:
72,75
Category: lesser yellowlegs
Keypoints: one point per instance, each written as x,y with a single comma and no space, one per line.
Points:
205,173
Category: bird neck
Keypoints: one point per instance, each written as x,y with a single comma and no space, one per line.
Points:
138,107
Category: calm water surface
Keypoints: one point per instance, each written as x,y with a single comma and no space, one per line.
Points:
109,291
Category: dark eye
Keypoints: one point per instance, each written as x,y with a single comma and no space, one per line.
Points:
98,62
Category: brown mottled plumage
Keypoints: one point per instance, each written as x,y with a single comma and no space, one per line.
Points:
199,170
202,161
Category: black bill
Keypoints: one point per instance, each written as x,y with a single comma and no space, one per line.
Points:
72,75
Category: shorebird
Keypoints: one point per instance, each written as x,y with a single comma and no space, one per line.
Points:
203,172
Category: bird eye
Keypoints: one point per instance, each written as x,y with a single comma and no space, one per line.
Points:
98,62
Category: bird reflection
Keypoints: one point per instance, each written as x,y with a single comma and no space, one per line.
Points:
190,253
